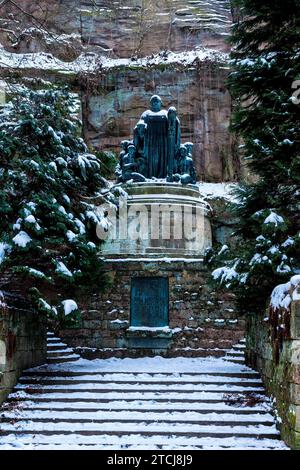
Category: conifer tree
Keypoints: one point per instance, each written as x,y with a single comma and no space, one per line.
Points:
48,240
263,83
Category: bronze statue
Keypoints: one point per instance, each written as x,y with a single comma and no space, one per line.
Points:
119,169
156,139
173,140
184,166
130,167
156,151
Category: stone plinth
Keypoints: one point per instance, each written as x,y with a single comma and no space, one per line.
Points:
198,322
161,219
202,322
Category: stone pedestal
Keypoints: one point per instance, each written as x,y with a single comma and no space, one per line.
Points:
192,319
161,219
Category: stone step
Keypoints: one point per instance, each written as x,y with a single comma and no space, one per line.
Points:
230,419
240,347
56,346
236,360
138,388
235,353
200,352
78,397
135,381
61,359
133,442
247,374
60,352
141,406
120,428
52,342
69,405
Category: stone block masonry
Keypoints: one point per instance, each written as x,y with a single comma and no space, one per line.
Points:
201,321
22,343
277,358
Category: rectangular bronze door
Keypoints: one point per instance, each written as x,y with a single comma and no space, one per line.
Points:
150,301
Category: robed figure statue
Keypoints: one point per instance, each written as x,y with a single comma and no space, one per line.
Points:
156,139
156,150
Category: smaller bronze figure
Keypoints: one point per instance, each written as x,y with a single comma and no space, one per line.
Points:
130,166
173,140
119,168
189,146
139,137
184,167
139,143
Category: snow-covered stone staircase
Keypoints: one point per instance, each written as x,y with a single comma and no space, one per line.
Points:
146,403
58,352
237,353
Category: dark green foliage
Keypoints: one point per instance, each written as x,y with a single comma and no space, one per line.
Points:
108,164
47,227
266,65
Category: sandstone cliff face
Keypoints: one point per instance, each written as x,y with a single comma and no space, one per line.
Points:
203,105
130,29
143,27
119,29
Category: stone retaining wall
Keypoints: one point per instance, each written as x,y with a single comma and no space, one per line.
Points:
277,358
22,344
201,321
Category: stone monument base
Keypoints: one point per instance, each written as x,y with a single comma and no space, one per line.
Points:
160,219
201,322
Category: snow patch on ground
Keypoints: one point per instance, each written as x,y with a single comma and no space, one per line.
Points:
217,190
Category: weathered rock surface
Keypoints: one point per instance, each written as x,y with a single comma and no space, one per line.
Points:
200,96
119,29
114,98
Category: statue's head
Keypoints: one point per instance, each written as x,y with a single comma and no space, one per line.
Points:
172,113
183,151
189,146
131,150
124,144
141,127
156,103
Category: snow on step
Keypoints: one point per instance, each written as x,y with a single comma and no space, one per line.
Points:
134,442
59,352
112,386
140,378
210,403
140,416
146,406
121,427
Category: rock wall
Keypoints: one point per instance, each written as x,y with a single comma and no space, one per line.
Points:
22,343
278,361
117,29
200,96
143,27
90,36
201,321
